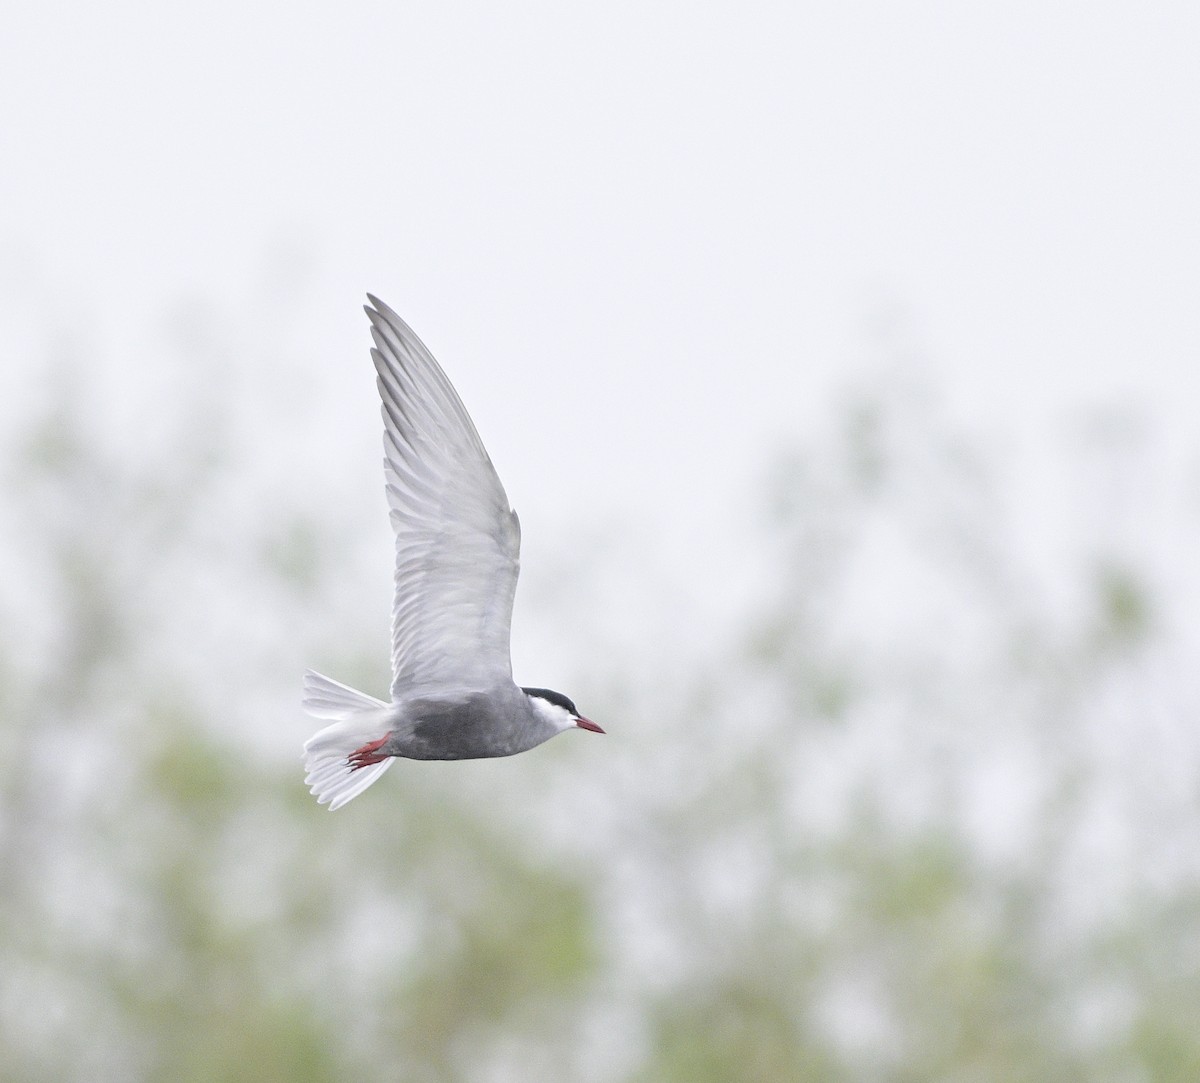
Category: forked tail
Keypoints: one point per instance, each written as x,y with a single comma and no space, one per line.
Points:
342,760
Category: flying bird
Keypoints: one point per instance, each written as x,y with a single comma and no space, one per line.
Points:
457,557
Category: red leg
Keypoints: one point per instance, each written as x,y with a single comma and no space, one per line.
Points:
367,755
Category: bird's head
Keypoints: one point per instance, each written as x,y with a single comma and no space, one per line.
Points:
558,711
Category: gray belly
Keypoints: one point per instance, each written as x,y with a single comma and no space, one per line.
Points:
473,728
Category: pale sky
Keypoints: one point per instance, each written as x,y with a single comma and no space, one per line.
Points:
647,241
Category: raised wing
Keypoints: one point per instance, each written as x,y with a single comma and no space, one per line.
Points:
457,540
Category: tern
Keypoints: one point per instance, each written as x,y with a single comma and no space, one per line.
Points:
458,548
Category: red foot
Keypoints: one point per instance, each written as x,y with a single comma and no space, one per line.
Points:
367,755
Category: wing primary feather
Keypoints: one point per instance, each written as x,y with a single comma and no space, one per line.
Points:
400,340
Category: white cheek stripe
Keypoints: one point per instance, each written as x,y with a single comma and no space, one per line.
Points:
557,716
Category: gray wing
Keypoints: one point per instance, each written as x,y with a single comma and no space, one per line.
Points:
457,540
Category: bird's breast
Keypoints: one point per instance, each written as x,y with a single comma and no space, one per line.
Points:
472,727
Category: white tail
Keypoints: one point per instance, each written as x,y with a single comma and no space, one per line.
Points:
358,720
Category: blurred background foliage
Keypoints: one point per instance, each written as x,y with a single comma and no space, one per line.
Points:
926,812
